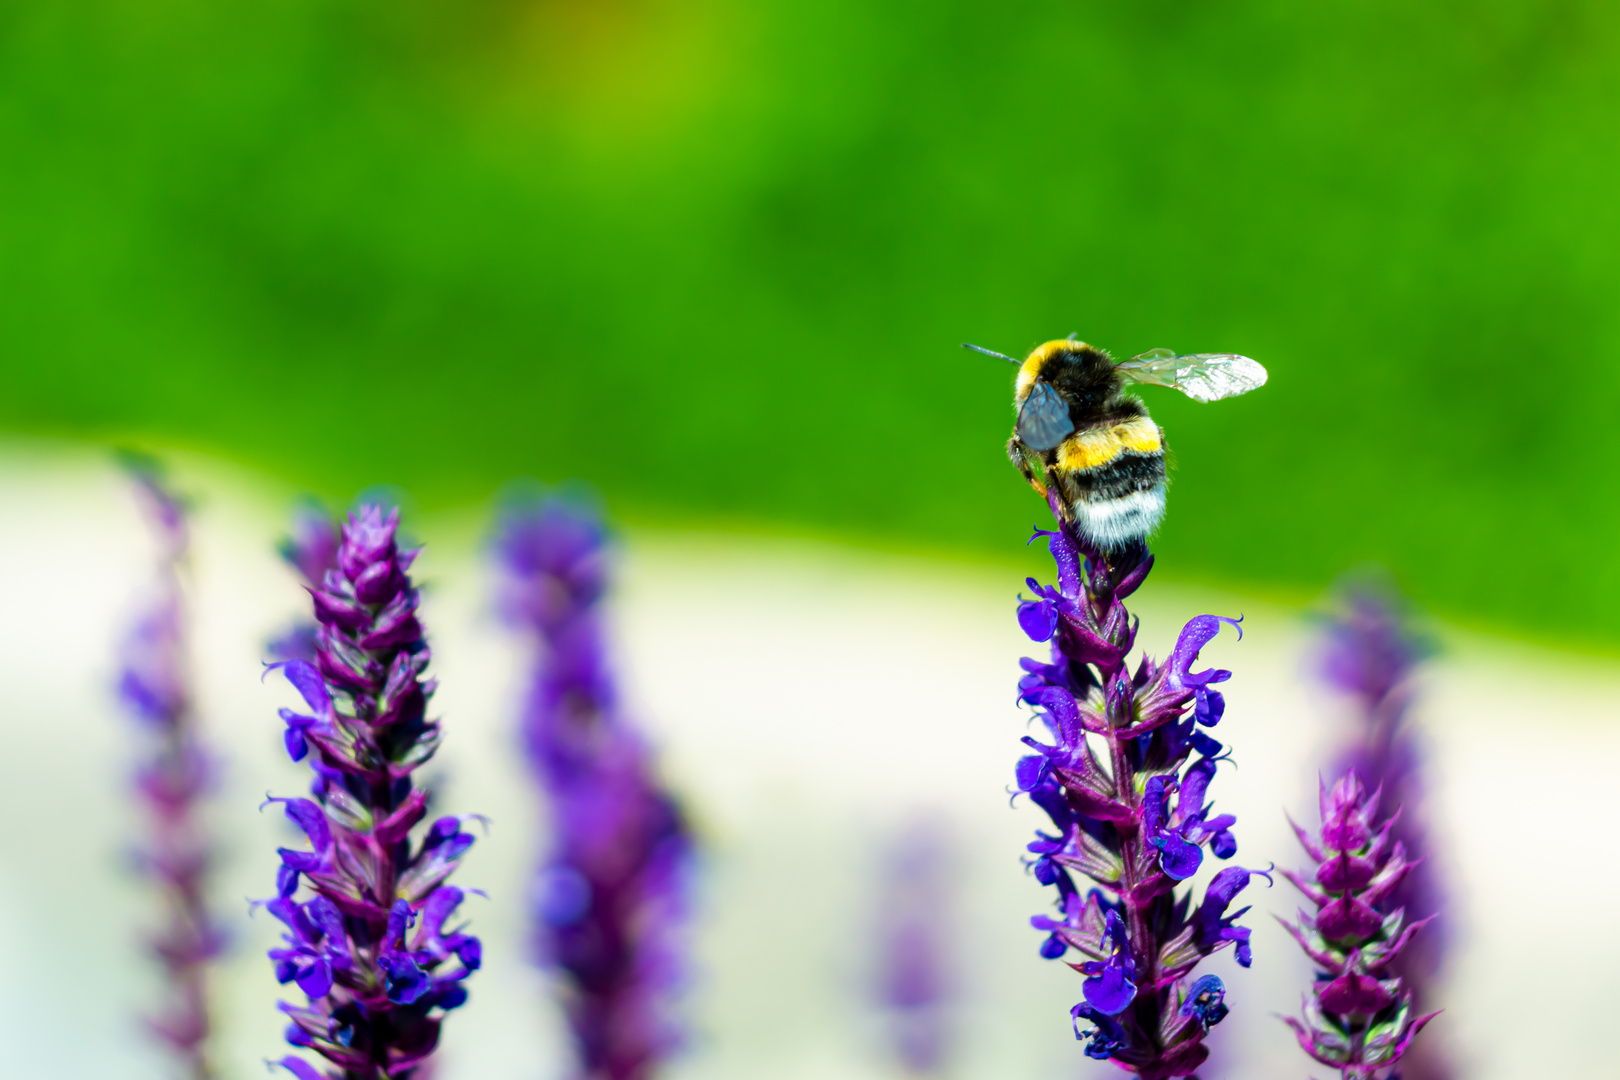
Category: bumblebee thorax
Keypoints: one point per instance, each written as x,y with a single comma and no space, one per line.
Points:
1082,374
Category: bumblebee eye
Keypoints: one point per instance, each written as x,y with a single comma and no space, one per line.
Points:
1044,421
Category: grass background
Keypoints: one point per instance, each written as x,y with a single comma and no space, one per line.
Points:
716,257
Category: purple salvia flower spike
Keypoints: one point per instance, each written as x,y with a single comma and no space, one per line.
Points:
375,1005
610,893
171,781
1128,802
915,938
1371,653
1359,1017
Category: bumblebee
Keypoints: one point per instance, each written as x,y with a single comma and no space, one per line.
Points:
1078,431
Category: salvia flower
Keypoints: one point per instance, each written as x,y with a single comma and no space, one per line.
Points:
171,781
1371,654
1125,781
915,936
1359,1015
365,906
609,895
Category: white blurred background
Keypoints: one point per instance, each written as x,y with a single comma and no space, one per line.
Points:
810,701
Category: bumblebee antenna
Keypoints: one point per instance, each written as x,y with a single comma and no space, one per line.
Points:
991,352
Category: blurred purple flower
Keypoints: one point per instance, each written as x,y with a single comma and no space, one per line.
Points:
171,780
368,948
1126,796
311,550
915,937
1359,1016
1370,652
610,894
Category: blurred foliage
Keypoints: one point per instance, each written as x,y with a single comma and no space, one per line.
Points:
717,256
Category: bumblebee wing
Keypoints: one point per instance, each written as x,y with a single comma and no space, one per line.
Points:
1043,422
1201,376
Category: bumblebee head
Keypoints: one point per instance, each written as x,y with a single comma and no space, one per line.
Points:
1082,374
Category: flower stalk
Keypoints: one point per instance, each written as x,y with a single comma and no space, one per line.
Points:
610,891
171,782
1124,782
366,906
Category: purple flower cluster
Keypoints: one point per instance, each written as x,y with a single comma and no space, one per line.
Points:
1124,782
171,781
1370,653
369,948
609,897
915,936
1359,1015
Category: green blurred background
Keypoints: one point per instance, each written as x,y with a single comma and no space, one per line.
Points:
716,257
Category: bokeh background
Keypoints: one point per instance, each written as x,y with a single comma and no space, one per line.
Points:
715,258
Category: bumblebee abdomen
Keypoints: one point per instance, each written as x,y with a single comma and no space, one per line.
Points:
1112,478
1094,447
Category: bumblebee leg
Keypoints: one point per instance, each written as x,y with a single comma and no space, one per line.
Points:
1020,459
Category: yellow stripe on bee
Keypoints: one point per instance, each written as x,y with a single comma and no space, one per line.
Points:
1030,369
1096,447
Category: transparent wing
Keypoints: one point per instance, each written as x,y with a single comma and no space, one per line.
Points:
1043,422
1201,376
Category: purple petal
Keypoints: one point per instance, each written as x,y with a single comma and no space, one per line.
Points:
1059,704
1030,771
1211,704
300,1068
400,918
299,860
1240,934
1194,636
1223,887
1177,857
1110,991
316,980
1223,844
1038,618
308,816
440,903
324,914
307,681
1153,801
406,981
1194,782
